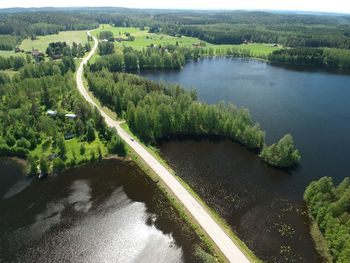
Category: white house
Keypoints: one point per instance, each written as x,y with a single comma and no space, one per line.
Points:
70,115
52,113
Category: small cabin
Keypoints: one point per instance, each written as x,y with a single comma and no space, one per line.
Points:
36,53
51,113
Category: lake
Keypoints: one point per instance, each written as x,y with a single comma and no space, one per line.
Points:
263,205
104,212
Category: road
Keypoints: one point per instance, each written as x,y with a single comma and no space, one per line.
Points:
221,239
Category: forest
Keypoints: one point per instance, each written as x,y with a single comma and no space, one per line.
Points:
320,57
44,119
158,57
166,57
8,42
154,111
14,63
329,205
292,30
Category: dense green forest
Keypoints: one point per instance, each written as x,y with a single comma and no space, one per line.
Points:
318,40
326,57
237,26
44,23
157,110
44,119
329,205
8,42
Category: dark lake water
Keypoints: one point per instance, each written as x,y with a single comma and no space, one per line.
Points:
263,205
103,212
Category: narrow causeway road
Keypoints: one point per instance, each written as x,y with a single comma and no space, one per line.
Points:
221,239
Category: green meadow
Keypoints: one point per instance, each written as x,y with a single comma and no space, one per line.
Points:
144,39
42,42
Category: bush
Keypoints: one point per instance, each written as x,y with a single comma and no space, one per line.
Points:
117,146
44,166
92,156
62,147
4,150
90,131
82,149
202,256
58,165
33,168
19,152
24,143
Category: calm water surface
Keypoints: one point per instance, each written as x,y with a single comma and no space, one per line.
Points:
264,206
104,212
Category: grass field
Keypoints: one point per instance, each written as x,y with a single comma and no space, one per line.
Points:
9,72
11,53
144,39
43,41
73,148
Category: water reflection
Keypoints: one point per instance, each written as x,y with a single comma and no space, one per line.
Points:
106,212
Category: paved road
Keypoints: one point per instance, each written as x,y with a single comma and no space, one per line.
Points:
224,243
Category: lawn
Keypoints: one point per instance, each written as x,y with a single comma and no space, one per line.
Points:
7,54
43,41
73,148
144,39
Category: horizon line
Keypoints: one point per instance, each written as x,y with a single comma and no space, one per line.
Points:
182,9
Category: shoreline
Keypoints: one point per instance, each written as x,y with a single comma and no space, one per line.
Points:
318,239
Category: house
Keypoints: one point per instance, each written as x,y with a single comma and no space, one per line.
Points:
57,56
17,50
71,116
104,40
36,53
51,113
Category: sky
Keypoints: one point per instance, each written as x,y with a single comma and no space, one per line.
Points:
342,6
